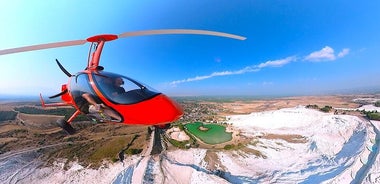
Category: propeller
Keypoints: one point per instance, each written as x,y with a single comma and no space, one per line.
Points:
122,35
63,68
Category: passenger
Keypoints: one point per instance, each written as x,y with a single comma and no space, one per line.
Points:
99,110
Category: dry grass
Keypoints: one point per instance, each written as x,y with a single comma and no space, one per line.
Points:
246,107
213,162
9,127
7,140
250,151
39,120
92,143
6,108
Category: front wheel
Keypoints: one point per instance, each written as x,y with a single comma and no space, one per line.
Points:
66,126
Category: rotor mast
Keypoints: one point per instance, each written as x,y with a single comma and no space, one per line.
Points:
93,62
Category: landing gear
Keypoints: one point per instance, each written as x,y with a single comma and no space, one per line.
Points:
66,126
165,126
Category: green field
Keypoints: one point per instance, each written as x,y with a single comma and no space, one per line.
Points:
215,134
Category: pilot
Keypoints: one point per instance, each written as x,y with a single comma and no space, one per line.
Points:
117,89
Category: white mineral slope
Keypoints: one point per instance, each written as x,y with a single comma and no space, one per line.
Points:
333,144
182,166
332,149
77,174
369,108
373,175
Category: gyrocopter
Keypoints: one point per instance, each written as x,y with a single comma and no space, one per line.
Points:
111,97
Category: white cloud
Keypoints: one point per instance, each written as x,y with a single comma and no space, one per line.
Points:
215,74
344,52
325,54
277,63
248,69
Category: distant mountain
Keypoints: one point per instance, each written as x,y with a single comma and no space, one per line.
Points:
356,90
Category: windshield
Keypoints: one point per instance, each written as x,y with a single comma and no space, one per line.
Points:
122,90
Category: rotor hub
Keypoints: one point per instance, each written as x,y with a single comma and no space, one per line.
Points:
104,37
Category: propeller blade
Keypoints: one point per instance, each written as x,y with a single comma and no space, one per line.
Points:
43,46
180,31
63,68
59,94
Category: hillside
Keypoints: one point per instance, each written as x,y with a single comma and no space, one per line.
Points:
269,146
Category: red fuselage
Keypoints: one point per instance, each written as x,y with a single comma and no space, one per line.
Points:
139,104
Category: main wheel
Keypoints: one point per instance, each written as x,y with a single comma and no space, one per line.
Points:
66,126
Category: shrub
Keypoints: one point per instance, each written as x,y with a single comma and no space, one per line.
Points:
114,159
180,126
312,106
377,104
179,144
133,151
229,146
326,108
373,115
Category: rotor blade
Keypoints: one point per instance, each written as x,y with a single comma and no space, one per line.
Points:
63,68
126,34
42,46
59,94
180,31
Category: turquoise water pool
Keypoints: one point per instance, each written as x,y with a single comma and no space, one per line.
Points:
213,133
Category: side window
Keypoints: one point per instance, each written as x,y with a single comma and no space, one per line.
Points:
81,83
115,87
122,90
129,85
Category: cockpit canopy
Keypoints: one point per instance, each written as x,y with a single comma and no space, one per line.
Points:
116,88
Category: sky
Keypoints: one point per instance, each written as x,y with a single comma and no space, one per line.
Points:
292,47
